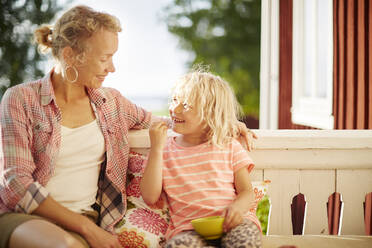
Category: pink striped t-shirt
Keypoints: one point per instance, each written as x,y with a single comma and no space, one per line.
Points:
199,181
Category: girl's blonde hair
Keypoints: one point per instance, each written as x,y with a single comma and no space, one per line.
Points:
73,28
215,103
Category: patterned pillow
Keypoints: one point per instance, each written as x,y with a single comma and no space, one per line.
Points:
145,226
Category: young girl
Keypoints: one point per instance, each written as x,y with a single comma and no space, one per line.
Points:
204,171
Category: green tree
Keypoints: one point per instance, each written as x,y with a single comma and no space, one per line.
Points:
19,59
226,35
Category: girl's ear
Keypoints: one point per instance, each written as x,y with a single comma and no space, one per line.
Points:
68,55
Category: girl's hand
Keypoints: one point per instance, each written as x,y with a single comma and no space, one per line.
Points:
233,217
158,134
246,136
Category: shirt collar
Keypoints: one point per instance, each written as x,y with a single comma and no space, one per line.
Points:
97,96
47,91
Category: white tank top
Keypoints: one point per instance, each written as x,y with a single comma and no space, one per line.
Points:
75,180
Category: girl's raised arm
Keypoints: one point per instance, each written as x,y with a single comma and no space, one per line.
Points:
151,183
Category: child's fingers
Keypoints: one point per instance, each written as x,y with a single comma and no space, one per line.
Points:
224,212
236,220
158,125
227,221
232,220
155,125
164,127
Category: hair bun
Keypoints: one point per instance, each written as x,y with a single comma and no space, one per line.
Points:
43,37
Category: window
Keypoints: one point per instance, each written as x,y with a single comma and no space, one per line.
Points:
312,63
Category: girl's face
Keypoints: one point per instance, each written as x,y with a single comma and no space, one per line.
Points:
185,119
98,59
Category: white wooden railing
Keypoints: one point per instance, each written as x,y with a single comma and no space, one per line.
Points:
316,163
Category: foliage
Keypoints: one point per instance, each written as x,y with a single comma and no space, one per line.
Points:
226,35
19,58
262,213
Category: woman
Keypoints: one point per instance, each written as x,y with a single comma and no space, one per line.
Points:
64,141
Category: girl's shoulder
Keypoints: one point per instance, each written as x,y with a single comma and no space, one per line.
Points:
233,143
236,146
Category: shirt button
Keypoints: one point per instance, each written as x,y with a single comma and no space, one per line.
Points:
108,171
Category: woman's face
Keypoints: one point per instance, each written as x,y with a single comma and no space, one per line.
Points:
98,59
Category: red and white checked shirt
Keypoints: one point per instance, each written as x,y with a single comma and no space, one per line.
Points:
31,138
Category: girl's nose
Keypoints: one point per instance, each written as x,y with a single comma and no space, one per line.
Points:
177,108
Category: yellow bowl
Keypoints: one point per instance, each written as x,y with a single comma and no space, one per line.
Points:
209,227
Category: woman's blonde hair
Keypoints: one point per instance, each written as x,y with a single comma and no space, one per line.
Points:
214,101
73,28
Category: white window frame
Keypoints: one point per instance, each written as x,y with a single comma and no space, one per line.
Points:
310,110
269,72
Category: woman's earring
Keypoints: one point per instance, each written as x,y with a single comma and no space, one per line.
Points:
75,71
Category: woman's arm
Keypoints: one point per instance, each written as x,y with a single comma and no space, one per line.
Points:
19,191
151,183
243,202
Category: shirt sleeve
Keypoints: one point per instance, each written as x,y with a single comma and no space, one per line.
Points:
137,117
18,190
240,157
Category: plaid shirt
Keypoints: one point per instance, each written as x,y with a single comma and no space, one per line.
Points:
31,138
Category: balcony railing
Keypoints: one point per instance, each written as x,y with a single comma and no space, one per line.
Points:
321,180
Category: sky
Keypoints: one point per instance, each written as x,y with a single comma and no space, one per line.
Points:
149,59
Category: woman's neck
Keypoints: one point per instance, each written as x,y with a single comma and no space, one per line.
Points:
64,90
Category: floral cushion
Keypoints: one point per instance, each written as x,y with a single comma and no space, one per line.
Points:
145,226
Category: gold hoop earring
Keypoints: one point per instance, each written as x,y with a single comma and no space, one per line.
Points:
75,71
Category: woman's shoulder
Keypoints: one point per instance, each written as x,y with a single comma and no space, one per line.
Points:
110,91
22,91
107,92
111,94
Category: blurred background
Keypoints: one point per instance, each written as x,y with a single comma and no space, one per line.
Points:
160,41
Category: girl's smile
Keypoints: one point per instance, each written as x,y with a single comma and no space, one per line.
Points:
176,120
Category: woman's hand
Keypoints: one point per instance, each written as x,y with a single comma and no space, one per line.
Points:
246,136
99,238
158,134
233,217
